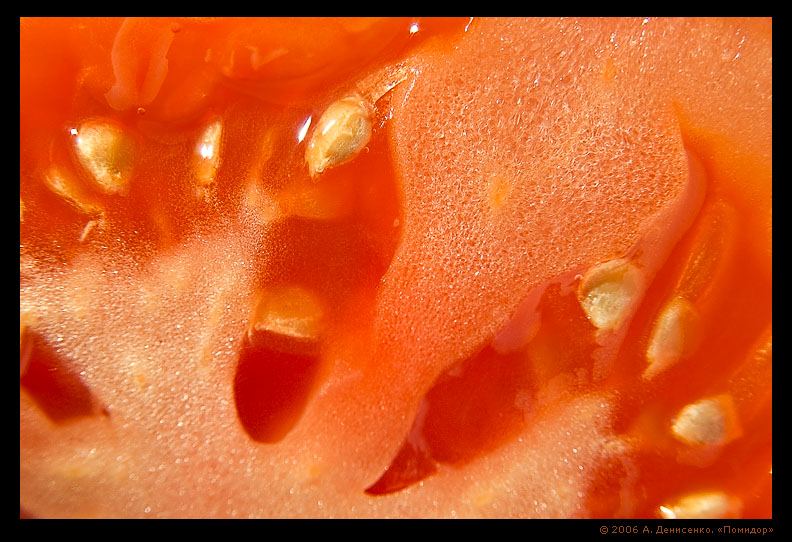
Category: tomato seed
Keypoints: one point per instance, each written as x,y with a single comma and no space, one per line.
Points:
712,505
106,153
341,133
609,291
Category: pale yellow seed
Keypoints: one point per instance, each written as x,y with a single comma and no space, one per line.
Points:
673,336
107,154
89,227
708,422
26,320
342,132
290,311
207,153
609,291
711,505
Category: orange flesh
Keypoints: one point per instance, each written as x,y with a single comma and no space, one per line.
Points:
367,423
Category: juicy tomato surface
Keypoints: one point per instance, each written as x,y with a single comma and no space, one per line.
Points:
395,268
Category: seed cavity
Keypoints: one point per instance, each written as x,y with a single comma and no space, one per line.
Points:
609,291
342,132
53,385
673,336
709,505
279,364
107,153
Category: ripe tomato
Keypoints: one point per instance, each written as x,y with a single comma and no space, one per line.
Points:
395,267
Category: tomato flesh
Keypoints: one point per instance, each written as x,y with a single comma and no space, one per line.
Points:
438,358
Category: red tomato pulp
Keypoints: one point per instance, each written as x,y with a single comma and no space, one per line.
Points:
395,267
